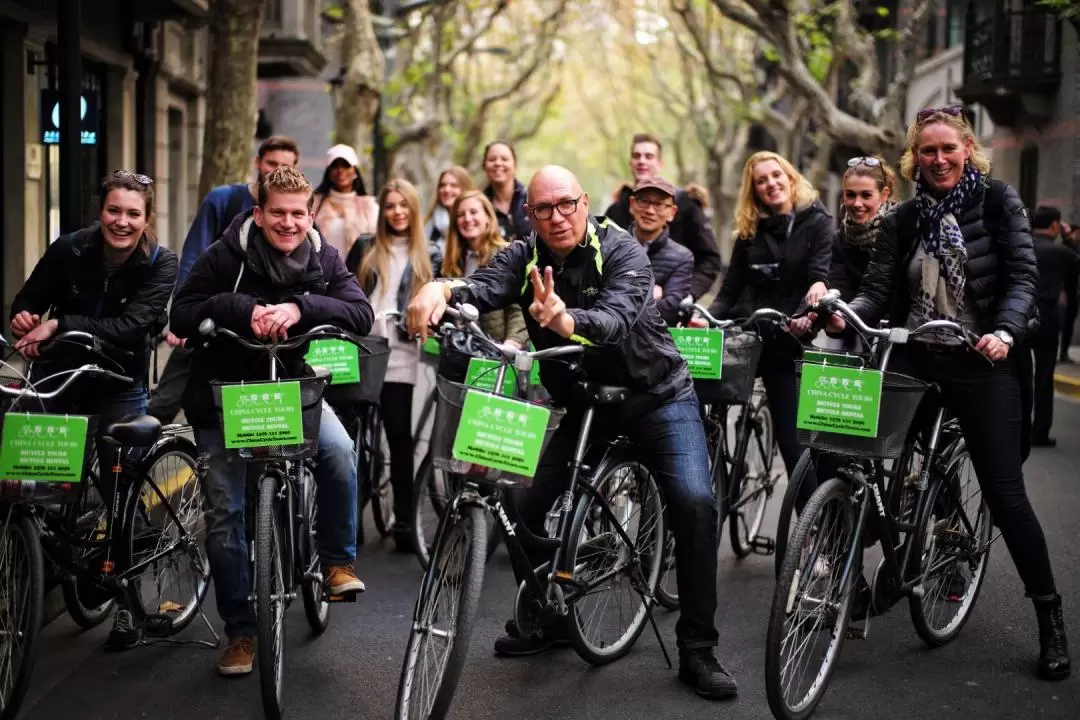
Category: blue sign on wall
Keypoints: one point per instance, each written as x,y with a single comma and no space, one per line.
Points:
50,118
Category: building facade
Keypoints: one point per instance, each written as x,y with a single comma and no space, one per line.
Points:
143,78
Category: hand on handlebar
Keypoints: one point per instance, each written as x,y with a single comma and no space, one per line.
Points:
800,326
30,343
272,322
23,323
427,308
992,347
174,341
815,293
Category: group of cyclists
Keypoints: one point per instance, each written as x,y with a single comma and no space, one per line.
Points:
274,257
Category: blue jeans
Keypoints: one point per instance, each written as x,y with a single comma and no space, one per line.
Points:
671,442
225,490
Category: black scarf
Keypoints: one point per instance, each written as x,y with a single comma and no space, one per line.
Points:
283,271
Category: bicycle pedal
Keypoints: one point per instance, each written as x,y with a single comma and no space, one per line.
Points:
763,545
158,625
349,597
854,632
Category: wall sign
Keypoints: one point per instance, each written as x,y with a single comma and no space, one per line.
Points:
50,118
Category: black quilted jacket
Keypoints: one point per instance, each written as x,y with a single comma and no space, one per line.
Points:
1001,271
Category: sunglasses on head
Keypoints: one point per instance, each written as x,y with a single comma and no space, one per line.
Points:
953,110
867,161
137,177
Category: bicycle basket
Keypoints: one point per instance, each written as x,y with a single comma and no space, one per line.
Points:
311,395
373,357
49,492
900,398
448,410
742,350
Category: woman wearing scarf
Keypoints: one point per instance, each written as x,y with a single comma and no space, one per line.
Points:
937,259
343,210
452,183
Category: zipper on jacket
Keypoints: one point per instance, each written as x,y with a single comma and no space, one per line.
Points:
101,300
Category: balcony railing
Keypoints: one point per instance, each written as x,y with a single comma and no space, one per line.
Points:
1017,50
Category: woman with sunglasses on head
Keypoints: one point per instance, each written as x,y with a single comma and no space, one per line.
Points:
962,250
111,280
782,247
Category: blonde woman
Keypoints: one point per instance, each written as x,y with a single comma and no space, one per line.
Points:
452,182
473,240
962,250
393,267
783,245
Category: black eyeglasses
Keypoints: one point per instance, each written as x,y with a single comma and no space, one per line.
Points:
137,177
954,110
566,208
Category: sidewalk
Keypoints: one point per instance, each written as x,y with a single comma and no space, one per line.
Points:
1067,375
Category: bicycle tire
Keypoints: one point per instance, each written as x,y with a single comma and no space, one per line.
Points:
668,599
22,527
270,581
425,486
382,492
833,490
471,522
738,546
75,589
312,592
803,469
929,634
605,653
184,448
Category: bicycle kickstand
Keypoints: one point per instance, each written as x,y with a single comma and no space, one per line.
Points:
650,603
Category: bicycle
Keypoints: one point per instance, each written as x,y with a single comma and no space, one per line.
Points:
817,582
741,465
582,525
47,477
280,508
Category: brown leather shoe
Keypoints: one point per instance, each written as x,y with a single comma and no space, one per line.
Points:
238,657
341,579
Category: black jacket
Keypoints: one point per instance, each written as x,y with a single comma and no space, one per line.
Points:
328,293
607,284
516,224
126,309
797,250
691,229
1001,271
848,266
672,267
1058,265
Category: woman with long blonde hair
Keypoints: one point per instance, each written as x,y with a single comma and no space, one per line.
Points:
452,182
783,246
473,241
394,266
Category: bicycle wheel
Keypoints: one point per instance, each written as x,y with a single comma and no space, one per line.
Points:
449,595
755,484
667,585
602,560
164,515
270,591
22,584
953,560
86,602
312,583
432,490
803,469
808,602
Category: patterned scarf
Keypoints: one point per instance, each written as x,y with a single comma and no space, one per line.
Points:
862,235
942,294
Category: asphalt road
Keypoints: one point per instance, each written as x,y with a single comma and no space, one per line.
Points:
352,671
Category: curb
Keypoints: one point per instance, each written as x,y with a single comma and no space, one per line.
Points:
1067,385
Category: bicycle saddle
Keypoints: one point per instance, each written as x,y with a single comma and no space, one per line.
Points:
134,431
604,394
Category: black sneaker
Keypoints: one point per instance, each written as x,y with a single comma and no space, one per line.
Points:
700,670
403,538
515,644
124,635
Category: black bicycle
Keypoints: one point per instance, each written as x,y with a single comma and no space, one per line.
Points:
142,534
280,510
936,547
606,528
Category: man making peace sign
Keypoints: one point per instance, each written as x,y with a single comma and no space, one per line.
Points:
584,280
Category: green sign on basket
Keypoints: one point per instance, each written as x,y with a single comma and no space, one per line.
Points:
500,433
431,346
340,357
841,400
828,358
44,448
703,350
262,414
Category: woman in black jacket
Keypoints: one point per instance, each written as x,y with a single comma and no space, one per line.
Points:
782,247
941,256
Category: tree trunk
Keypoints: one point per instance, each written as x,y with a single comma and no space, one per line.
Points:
363,63
231,111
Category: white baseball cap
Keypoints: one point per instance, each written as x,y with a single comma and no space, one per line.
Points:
342,152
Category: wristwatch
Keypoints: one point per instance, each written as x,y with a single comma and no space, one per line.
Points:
1004,336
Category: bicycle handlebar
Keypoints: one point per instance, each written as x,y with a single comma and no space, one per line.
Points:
768,314
466,316
73,375
209,328
831,302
